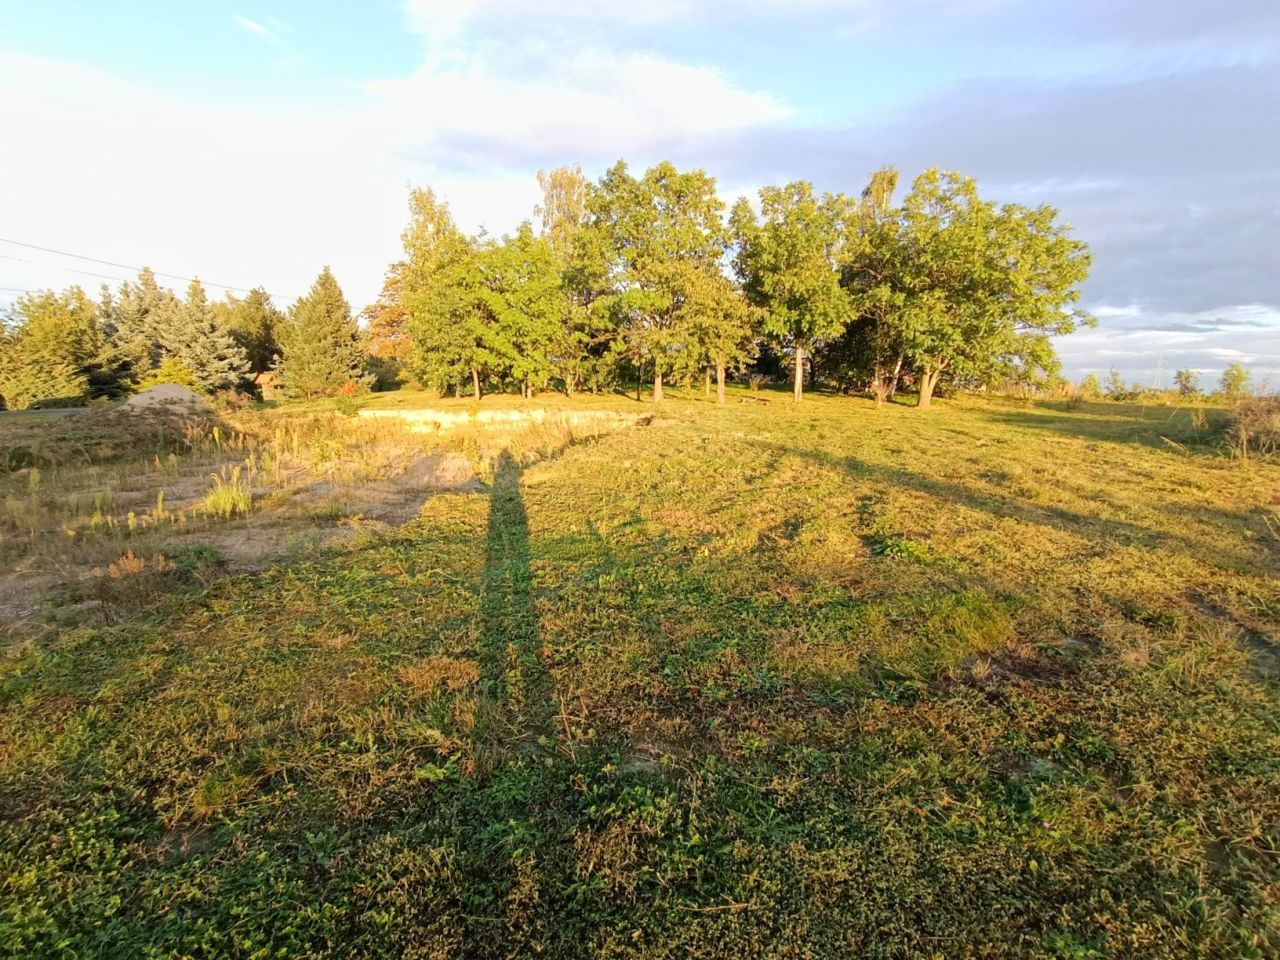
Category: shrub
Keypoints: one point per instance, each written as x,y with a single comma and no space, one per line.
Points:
170,370
1255,427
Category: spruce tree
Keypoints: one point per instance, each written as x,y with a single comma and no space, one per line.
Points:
203,345
320,343
252,323
141,317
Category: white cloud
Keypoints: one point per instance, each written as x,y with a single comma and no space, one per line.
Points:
592,103
253,26
1145,345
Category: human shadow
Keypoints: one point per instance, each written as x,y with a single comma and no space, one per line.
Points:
516,705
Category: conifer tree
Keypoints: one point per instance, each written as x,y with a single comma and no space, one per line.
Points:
320,343
48,348
203,345
252,323
142,314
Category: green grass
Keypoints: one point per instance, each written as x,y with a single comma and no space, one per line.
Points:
996,680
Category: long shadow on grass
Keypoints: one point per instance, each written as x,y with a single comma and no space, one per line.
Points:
1098,528
1116,423
516,694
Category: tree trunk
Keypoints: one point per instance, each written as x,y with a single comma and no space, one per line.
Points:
897,373
928,380
475,382
639,379
657,384
720,379
799,372
706,382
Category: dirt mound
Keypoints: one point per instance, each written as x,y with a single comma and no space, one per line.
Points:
168,396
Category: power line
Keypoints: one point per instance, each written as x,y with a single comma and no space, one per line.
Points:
125,266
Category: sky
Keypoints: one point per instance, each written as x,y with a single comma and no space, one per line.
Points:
252,142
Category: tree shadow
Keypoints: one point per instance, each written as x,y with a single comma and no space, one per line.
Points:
517,704
1122,532
1120,423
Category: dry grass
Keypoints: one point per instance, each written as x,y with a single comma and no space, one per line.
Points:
1255,428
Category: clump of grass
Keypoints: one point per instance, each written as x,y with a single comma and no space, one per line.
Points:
900,548
230,496
435,672
132,581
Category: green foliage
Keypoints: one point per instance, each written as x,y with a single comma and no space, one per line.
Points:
48,348
1236,382
871,351
1115,387
1187,382
252,323
170,370
438,286
141,314
790,264
320,344
522,305
1090,388
195,337
663,237
984,285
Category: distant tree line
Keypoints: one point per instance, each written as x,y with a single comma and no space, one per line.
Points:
65,348
649,278
1235,384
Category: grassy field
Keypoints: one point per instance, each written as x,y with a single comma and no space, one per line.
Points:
996,680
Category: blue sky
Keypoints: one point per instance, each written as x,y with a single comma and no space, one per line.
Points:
253,142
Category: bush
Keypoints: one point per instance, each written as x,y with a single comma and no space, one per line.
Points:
1255,427
170,370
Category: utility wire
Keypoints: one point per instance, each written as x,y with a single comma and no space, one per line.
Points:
125,266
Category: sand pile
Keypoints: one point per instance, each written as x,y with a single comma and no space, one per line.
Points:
168,397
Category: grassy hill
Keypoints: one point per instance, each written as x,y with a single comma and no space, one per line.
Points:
996,680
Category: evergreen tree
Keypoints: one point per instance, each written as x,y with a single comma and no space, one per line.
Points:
142,317
49,344
252,323
320,343
203,345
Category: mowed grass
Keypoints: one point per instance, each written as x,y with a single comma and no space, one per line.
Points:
761,681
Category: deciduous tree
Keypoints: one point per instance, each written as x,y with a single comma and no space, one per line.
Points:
1236,381
790,260
983,284
664,233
